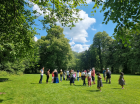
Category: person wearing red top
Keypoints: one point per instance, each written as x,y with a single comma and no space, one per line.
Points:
93,75
52,76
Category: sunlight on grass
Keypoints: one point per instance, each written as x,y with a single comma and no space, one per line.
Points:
26,90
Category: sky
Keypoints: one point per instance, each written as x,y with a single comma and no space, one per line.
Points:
81,36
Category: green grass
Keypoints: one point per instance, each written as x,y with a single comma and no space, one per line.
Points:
26,90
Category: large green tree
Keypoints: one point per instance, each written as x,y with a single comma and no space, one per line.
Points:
16,35
126,13
55,51
101,42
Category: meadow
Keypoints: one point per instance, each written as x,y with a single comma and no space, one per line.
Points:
25,89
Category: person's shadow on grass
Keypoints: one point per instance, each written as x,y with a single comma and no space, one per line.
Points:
71,85
115,88
105,83
4,79
1,100
93,90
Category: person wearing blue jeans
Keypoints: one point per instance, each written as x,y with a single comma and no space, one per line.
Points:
41,77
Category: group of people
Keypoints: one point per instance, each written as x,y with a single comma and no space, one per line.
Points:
89,74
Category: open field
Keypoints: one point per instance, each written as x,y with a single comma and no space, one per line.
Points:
26,90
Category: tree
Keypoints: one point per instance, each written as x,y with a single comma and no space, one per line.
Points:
64,11
126,13
101,42
16,35
55,51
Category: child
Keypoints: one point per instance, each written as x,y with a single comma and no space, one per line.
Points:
52,76
99,82
121,80
89,78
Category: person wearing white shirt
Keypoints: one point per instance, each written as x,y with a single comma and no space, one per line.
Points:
67,74
89,78
90,75
83,78
41,77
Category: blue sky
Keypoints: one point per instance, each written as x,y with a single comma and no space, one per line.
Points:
81,36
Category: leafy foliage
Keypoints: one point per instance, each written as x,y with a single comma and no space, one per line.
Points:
126,13
16,35
55,51
64,11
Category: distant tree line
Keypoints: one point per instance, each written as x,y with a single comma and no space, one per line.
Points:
108,52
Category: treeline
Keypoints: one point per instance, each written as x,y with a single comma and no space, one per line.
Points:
111,52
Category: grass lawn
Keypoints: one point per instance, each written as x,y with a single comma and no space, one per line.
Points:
26,90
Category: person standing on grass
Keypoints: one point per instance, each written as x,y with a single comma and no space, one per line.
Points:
93,75
90,75
77,75
89,78
64,75
72,76
108,73
80,75
41,76
84,77
52,76
121,80
67,74
56,80
48,75
61,73
99,82
104,74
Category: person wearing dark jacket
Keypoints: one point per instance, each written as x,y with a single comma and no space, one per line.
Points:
56,80
108,74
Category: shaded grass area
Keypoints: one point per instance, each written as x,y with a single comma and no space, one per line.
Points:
26,90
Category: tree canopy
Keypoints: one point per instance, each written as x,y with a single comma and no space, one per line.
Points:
126,13
55,51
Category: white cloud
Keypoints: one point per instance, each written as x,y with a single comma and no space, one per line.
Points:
35,38
79,33
88,1
80,48
36,7
71,43
93,29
